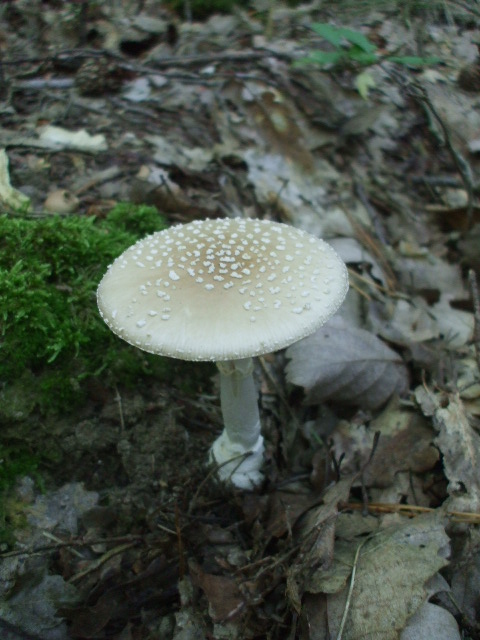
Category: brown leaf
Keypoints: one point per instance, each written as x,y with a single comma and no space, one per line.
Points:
276,121
224,598
405,444
314,616
459,444
88,622
317,535
285,508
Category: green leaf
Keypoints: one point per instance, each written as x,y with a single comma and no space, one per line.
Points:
358,39
362,57
413,61
322,58
338,35
364,82
328,32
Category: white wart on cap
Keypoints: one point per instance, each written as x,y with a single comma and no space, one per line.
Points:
222,289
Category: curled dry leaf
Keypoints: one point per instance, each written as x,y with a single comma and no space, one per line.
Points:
316,533
346,364
459,444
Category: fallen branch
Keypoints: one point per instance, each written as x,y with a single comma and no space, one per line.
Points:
420,93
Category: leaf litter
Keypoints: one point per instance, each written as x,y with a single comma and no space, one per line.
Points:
353,367
367,524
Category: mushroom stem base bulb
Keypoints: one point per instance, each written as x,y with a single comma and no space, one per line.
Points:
236,465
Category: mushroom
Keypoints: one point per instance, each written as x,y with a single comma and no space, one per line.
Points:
224,290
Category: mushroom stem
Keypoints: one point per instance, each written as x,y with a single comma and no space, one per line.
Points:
241,441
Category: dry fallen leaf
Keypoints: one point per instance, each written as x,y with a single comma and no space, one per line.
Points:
459,445
405,444
431,621
81,140
314,617
466,577
32,607
316,532
222,592
345,364
389,585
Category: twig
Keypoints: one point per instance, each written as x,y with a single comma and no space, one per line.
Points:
180,547
463,168
41,84
376,438
472,279
278,390
270,561
350,589
412,510
98,563
162,527
167,61
71,543
103,176
241,457
375,248
467,6
118,400
377,223
50,536
443,181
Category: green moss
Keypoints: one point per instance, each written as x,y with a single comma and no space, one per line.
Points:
49,323
14,462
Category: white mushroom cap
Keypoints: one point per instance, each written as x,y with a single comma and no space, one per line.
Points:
222,289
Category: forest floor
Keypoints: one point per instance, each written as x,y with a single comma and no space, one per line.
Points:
367,523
